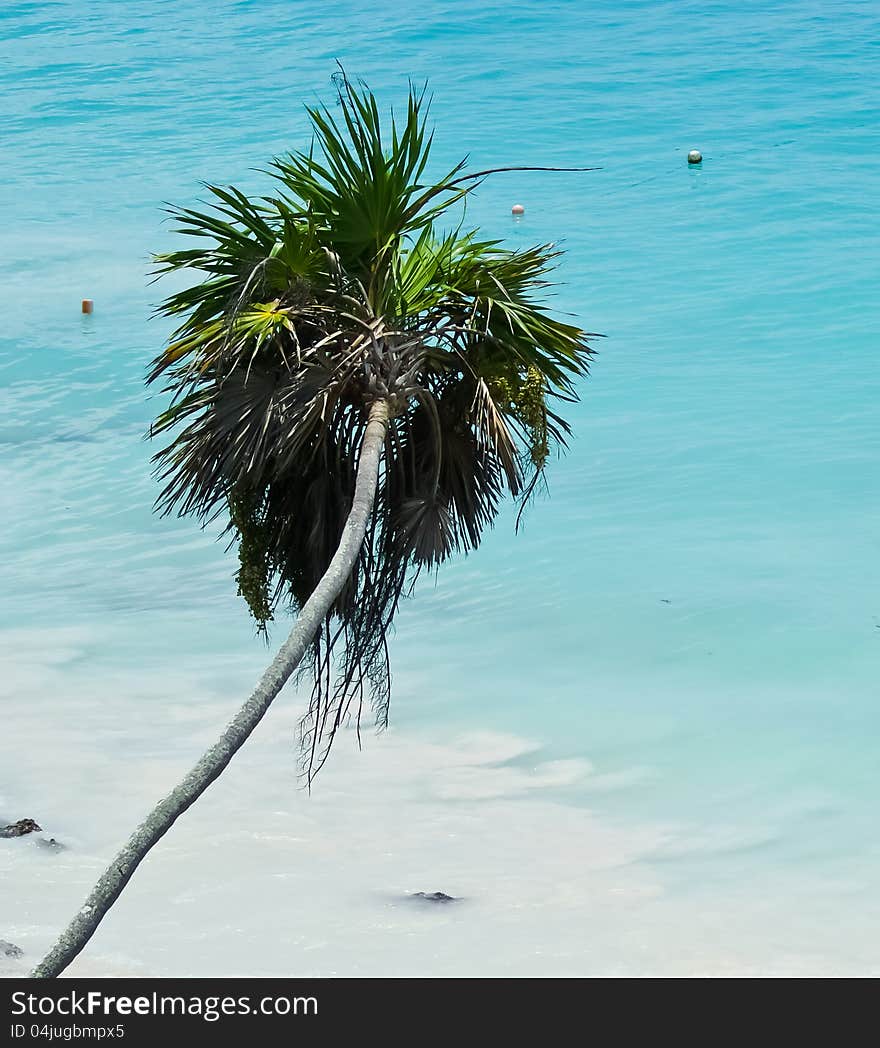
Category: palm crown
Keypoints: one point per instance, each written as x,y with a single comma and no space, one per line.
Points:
348,285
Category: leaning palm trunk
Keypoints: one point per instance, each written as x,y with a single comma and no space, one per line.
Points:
166,812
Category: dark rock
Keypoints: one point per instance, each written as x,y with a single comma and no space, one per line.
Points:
434,896
9,949
51,844
20,828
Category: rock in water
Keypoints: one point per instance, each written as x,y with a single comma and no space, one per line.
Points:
51,844
20,828
9,949
434,896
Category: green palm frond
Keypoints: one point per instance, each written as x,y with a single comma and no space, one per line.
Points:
306,305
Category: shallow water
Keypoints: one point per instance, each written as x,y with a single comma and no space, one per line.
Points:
638,737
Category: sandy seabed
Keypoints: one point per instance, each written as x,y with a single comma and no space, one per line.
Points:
262,879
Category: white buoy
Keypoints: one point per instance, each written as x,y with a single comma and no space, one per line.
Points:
517,209
695,157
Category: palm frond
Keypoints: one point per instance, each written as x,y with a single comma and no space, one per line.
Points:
306,305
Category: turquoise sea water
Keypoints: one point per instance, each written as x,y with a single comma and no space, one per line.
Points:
695,608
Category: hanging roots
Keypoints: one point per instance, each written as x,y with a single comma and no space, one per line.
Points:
350,666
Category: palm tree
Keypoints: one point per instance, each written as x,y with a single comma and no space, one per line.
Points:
356,383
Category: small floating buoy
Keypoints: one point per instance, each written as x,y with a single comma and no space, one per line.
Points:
88,305
517,209
695,157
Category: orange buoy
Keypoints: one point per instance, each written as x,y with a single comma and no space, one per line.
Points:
517,209
88,305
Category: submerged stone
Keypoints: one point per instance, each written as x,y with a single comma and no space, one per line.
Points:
9,949
434,896
51,844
